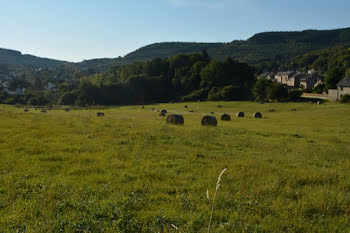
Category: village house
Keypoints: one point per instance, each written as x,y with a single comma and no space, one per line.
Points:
308,81
282,77
294,80
298,79
268,76
343,88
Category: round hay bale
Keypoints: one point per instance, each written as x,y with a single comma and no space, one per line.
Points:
272,110
257,115
153,109
43,111
219,106
175,119
100,114
293,109
186,106
67,109
212,112
142,107
162,114
191,111
164,111
209,120
225,117
26,110
240,114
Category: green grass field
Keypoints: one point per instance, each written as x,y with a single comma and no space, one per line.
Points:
130,172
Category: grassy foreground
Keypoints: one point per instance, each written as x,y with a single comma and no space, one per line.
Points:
130,172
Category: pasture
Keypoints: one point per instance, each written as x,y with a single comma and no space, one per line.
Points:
128,171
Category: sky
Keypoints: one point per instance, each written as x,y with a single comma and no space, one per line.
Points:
74,30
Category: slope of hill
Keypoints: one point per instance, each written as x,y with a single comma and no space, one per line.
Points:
12,57
324,59
262,47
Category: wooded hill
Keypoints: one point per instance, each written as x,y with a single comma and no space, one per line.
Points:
262,50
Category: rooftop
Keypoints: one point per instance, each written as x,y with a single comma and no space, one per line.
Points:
345,82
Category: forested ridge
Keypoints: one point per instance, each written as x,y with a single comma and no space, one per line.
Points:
177,71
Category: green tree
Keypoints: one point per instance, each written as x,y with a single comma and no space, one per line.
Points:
319,88
276,91
333,76
231,93
67,98
259,89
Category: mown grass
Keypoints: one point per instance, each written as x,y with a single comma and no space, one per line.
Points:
130,172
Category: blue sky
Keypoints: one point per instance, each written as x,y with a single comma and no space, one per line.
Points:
74,30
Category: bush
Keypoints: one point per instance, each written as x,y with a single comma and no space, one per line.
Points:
295,95
231,93
214,94
319,88
276,91
67,98
345,99
200,94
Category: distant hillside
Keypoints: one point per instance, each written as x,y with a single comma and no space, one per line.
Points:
12,57
324,59
163,50
262,48
281,46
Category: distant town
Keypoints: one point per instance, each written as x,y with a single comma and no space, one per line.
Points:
307,81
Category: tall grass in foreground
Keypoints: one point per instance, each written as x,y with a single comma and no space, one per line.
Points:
213,204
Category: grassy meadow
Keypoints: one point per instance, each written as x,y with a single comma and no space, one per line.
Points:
131,172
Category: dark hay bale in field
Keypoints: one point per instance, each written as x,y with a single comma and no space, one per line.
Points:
272,110
257,115
209,120
293,109
142,107
186,106
212,112
67,109
26,110
43,111
240,114
153,109
225,117
36,108
100,114
164,111
162,114
219,106
191,111
175,119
